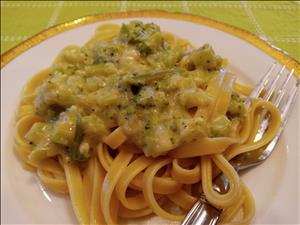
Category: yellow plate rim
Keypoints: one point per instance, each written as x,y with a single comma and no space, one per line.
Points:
261,44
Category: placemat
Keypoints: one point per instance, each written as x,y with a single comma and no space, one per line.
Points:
275,21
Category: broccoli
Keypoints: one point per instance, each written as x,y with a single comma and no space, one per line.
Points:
220,127
236,107
143,48
64,128
93,125
145,37
137,31
38,133
107,53
204,58
67,131
73,151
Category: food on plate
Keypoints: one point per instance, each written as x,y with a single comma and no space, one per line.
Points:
138,122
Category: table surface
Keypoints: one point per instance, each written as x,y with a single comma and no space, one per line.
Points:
277,22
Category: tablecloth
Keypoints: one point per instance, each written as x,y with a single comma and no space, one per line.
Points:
276,21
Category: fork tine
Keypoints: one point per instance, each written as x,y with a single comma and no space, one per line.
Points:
284,116
263,82
291,98
274,85
261,85
270,90
282,90
192,213
202,213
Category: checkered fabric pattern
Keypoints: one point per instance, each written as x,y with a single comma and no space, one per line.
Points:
277,22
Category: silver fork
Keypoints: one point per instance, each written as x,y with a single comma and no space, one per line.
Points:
280,87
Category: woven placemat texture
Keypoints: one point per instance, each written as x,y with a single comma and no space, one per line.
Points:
276,21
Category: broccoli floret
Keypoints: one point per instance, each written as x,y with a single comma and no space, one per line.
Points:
73,151
64,128
137,31
204,58
143,48
146,37
67,132
38,133
220,127
193,129
77,151
107,53
236,107
93,125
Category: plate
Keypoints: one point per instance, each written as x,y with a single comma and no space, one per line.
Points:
274,184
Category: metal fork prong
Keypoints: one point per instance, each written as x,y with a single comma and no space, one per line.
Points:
284,116
263,82
290,102
202,213
274,84
282,91
261,85
192,213
283,88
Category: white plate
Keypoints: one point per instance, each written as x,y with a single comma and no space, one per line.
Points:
274,183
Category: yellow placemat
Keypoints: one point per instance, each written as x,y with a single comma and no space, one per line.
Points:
278,22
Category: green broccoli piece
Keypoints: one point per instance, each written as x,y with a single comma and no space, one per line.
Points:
64,128
93,125
38,133
67,131
73,151
107,53
236,107
136,31
146,37
220,127
143,48
204,58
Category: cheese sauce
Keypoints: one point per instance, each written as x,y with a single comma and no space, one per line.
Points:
157,88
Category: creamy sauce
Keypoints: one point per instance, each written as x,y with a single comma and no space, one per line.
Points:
140,80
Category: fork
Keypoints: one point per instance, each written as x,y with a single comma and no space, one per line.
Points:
279,86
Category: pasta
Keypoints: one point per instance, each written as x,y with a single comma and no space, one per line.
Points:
139,122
